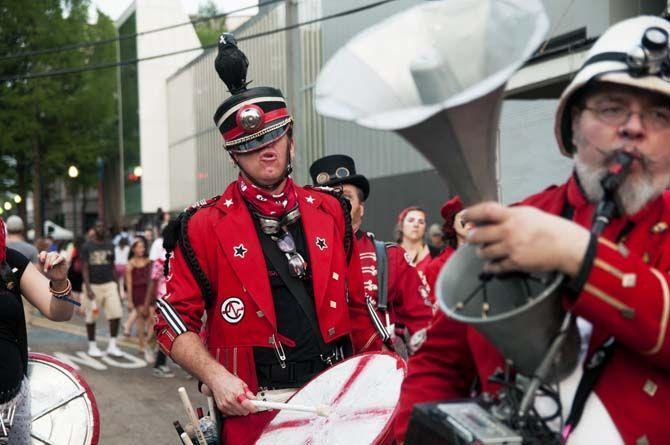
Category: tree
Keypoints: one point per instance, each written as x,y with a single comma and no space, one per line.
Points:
48,123
209,31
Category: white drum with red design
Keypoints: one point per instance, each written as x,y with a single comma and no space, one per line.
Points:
362,394
63,408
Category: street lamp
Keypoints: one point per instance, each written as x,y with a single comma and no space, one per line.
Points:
18,199
137,171
73,173
8,205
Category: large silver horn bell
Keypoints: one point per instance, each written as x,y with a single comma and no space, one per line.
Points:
435,74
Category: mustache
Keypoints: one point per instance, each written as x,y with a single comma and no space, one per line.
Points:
610,156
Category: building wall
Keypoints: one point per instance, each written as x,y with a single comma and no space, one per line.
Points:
528,155
152,75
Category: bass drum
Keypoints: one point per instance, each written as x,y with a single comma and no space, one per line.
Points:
62,405
362,394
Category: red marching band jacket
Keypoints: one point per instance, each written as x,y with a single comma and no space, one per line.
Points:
408,299
242,315
626,296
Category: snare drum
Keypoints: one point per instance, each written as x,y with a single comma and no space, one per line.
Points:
63,408
362,393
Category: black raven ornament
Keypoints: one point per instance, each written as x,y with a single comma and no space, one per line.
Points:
231,64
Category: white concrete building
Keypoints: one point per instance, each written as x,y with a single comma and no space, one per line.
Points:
144,97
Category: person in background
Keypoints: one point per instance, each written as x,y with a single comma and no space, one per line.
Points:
407,309
74,273
137,281
16,241
454,230
157,289
101,289
149,234
411,235
435,239
121,254
45,286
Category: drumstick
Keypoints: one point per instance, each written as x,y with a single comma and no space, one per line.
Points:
187,440
320,410
211,407
191,415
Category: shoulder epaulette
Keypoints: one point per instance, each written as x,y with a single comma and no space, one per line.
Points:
386,243
202,203
177,232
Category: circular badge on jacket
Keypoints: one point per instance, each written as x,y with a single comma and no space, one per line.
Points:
232,310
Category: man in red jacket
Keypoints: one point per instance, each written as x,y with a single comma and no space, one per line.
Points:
618,281
407,304
266,261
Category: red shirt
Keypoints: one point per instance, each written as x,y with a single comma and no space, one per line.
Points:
407,296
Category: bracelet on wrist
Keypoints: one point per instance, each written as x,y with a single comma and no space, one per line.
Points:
63,294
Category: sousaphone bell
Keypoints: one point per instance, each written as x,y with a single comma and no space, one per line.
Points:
435,74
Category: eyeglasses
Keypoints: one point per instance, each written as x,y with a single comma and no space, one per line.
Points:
297,266
272,226
653,118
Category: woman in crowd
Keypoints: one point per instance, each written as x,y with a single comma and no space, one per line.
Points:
138,272
410,234
46,288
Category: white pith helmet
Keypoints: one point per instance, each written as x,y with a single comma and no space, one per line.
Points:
633,52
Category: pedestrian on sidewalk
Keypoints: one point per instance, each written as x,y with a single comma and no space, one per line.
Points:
101,290
156,290
138,272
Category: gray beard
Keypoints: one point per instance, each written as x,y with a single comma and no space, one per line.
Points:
632,195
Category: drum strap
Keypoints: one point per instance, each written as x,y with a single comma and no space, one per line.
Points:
295,286
601,356
592,372
382,275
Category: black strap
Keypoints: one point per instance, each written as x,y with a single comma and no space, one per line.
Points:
295,286
610,56
382,275
592,372
594,368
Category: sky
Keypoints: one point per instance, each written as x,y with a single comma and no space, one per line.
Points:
114,8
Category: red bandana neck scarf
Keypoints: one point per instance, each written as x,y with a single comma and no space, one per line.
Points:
267,204
3,244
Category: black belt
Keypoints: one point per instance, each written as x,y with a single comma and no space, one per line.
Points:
293,375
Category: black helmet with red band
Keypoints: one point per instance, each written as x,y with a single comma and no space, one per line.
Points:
251,118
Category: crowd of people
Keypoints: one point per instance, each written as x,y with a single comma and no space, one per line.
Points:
271,283
112,273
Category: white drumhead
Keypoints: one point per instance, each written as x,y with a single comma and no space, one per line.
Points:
63,408
362,394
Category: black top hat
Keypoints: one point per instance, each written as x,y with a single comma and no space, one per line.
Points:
338,169
251,118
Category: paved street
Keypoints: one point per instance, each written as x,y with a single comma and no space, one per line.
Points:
135,406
